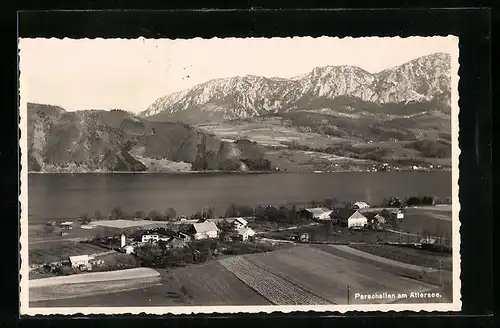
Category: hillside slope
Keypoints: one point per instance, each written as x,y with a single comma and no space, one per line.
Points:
103,141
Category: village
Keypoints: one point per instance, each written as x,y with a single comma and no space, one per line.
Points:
119,243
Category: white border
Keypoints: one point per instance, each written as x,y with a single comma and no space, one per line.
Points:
456,305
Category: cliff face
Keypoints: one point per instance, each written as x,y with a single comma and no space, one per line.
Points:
103,141
425,79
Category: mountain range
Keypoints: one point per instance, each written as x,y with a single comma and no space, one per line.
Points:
422,80
327,118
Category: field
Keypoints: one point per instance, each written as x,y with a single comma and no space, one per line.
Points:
53,252
319,274
207,284
68,287
328,276
429,275
124,224
435,220
408,255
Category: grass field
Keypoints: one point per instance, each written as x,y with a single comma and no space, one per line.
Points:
436,220
91,284
52,252
328,275
408,255
440,280
207,284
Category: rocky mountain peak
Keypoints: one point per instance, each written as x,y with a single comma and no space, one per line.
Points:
421,79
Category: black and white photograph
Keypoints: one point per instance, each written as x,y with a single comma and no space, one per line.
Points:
231,175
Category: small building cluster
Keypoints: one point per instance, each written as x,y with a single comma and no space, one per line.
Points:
359,215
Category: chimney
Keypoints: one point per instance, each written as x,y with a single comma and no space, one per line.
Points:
122,240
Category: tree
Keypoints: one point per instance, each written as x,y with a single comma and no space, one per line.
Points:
231,211
155,216
292,214
395,202
117,213
170,214
140,215
98,215
85,218
209,213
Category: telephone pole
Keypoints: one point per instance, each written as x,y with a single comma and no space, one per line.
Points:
348,293
440,265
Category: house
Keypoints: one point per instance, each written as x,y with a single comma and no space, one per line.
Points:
128,249
154,237
238,223
80,261
428,241
360,205
183,236
204,230
349,217
245,233
317,213
304,236
398,214
65,226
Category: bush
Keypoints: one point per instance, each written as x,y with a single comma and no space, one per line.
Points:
417,200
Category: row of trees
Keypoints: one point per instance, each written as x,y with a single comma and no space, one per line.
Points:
273,213
118,213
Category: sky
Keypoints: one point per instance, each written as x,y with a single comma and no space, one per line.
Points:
131,74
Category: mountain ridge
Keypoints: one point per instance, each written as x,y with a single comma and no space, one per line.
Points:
419,80
107,141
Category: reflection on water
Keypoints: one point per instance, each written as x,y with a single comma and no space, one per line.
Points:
67,196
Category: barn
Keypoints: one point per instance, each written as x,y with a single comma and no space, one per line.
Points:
349,217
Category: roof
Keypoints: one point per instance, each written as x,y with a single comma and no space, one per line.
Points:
344,213
79,258
317,210
361,203
67,223
242,231
206,226
161,235
241,220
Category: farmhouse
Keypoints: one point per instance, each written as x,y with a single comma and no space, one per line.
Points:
317,213
245,233
204,230
154,237
428,241
360,205
237,223
398,214
128,249
349,217
66,225
183,236
80,261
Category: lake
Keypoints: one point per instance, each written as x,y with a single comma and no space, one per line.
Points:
57,196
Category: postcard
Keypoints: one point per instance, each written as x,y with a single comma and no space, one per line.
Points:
239,175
